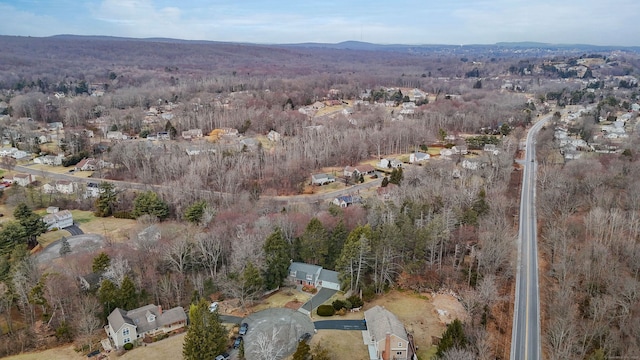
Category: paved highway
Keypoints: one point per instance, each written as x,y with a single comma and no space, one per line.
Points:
525,336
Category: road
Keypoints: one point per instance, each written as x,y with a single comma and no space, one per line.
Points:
313,198
525,336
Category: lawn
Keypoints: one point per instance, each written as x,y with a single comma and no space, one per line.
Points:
280,299
59,353
110,227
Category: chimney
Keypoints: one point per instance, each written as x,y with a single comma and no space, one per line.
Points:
386,355
159,309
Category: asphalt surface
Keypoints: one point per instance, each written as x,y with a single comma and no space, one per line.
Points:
318,299
74,230
231,319
340,325
525,336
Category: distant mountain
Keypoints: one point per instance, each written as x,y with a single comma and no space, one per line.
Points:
366,46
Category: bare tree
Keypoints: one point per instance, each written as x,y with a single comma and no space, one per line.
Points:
269,346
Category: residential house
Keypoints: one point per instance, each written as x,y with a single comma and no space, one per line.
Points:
471,164
418,157
313,275
446,153
49,160
23,179
163,135
386,336
58,220
92,191
19,154
460,149
192,133
116,135
65,186
322,179
87,164
358,170
49,188
346,200
491,149
389,163
273,136
129,326
7,151
55,126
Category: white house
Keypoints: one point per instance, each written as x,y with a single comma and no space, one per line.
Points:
418,157
313,275
460,149
87,164
346,200
7,151
389,163
23,179
58,220
116,135
49,188
322,179
192,133
65,186
386,336
92,191
19,154
129,326
273,136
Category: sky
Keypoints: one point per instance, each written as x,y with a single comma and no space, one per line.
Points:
457,22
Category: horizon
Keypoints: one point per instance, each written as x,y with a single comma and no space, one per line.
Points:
515,43
410,22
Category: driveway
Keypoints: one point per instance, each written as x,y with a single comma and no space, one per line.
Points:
230,319
340,325
316,300
74,230
274,333
79,244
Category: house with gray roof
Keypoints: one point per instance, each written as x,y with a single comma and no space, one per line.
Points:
313,275
322,179
129,326
386,336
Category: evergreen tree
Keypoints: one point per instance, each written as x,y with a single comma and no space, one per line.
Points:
276,251
11,234
65,248
150,203
303,351
194,212
106,201
100,263
108,296
206,337
453,337
313,243
31,222
336,243
127,294
385,182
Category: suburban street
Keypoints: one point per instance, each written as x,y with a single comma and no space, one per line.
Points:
525,336
312,198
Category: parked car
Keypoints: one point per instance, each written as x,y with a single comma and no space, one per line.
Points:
236,344
223,356
93,353
243,329
304,337
213,307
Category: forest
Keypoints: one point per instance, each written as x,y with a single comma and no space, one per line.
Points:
228,224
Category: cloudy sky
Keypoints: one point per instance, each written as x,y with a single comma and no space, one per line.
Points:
598,22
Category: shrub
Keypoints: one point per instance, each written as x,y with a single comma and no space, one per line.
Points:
326,310
128,346
355,301
342,312
123,215
338,304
